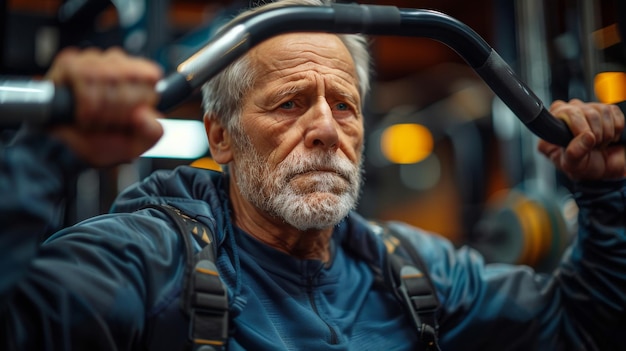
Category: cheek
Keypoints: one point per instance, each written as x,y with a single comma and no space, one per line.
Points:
262,138
354,140
282,142
281,151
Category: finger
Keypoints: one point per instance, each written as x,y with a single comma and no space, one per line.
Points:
132,83
594,118
578,149
572,115
84,78
119,100
110,85
551,151
138,93
618,121
125,146
143,70
615,162
62,63
557,104
146,125
602,122
101,148
606,121
87,102
608,124
132,68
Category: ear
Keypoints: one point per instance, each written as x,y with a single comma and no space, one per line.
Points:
219,140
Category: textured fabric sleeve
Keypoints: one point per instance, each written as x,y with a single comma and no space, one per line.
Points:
34,173
98,285
94,286
593,275
581,306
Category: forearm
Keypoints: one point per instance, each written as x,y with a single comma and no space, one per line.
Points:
581,306
593,276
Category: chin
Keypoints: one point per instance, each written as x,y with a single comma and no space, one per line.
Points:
316,211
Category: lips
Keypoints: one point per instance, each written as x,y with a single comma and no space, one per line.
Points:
321,171
319,182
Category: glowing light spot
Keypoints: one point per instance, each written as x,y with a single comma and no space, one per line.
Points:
610,87
406,143
182,139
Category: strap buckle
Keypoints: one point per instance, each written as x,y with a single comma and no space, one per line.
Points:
208,308
418,295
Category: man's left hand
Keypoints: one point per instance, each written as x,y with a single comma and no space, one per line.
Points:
591,154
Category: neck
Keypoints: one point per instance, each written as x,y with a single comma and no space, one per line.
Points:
273,231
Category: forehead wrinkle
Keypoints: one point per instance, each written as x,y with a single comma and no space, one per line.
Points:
301,81
310,61
296,81
318,57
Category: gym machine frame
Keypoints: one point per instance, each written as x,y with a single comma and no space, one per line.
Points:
45,103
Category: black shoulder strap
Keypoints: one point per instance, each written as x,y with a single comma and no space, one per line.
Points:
411,283
204,297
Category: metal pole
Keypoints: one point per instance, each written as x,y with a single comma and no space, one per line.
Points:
535,71
589,10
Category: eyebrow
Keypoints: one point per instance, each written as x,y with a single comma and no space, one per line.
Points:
286,91
348,95
295,89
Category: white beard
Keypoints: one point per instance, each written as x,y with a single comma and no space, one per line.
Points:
304,200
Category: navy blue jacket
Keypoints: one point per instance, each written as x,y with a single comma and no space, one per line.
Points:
113,282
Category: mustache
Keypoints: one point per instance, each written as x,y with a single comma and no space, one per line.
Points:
297,164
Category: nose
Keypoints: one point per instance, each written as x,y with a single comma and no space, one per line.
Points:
321,130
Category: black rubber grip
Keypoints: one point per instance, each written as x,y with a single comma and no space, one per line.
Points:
173,90
556,131
352,18
62,107
514,93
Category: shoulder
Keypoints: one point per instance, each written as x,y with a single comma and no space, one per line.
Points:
430,246
195,191
142,249
183,181
437,252
147,233
445,262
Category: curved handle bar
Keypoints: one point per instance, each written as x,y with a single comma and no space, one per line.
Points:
239,37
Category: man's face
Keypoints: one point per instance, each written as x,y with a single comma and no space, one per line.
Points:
298,154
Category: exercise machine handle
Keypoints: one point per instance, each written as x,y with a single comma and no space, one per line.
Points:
239,37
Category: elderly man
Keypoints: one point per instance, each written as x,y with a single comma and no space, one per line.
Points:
300,267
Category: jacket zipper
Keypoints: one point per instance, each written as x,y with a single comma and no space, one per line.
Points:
333,333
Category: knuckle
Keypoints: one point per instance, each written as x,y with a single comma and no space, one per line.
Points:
593,115
116,52
606,111
571,156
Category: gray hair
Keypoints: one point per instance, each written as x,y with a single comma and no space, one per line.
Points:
222,95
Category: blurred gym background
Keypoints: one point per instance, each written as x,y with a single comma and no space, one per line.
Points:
442,152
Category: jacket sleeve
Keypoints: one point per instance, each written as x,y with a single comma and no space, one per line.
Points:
92,286
34,173
580,306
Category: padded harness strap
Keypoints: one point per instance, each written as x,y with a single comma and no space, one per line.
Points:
204,297
411,284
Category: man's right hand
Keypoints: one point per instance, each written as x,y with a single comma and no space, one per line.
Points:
115,99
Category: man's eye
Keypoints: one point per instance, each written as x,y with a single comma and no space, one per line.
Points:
342,106
288,105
